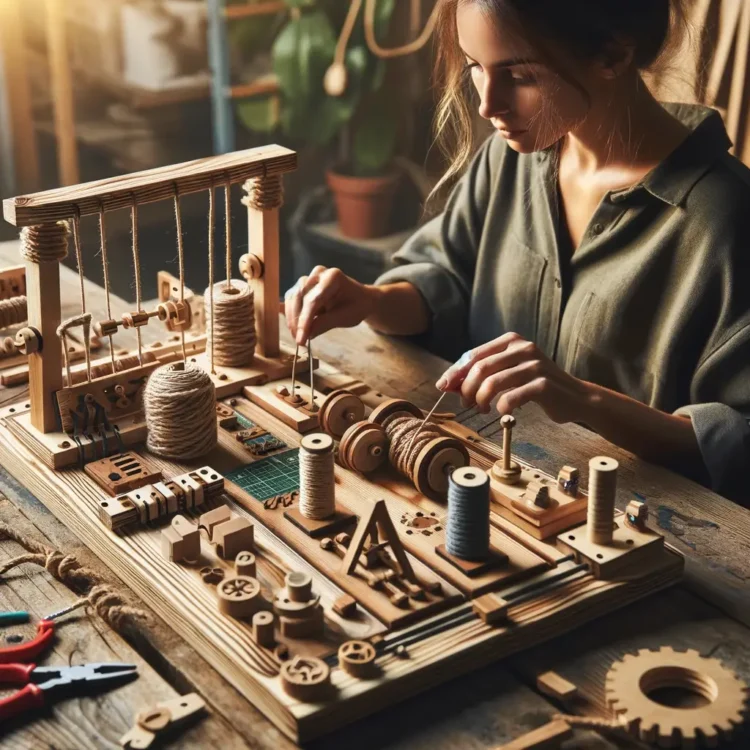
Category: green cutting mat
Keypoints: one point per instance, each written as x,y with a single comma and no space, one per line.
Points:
270,476
269,441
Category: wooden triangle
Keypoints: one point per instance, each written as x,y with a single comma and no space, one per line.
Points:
377,525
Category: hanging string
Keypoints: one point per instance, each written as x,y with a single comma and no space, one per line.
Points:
137,271
406,49
79,263
228,223
211,229
105,266
181,259
312,375
83,320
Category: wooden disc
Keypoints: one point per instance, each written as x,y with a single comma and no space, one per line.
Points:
433,463
317,442
305,678
368,450
239,596
393,406
339,411
285,606
357,658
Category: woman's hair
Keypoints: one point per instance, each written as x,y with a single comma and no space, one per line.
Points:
584,28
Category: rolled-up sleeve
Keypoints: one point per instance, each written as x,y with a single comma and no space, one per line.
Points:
720,414
440,259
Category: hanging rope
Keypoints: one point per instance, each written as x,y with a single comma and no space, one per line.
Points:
406,49
79,263
228,230
181,260
211,230
105,266
83,320
137,272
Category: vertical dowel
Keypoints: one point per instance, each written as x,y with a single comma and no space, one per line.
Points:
264,198
602,491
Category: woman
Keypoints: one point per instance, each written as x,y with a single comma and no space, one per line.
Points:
594,254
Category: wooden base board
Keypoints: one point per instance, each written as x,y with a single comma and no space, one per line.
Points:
473,568
326,527
265,396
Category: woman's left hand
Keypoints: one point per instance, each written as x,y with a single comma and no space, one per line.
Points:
521,372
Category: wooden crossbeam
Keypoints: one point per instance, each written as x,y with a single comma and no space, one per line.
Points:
149,186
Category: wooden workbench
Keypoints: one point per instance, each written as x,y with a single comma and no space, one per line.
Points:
709,612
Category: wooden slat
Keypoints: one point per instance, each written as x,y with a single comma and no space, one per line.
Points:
149,186
268,85
236,12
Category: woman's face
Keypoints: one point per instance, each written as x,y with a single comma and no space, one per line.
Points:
525,100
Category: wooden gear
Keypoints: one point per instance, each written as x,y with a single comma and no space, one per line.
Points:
630,680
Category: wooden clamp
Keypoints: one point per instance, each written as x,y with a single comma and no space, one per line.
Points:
160,719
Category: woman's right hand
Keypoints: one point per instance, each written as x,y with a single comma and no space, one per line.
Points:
326,299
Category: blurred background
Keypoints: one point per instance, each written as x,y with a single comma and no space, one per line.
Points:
95,88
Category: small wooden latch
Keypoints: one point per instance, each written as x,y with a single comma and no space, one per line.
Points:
161,718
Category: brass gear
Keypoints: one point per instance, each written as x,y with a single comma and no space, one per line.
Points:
629,681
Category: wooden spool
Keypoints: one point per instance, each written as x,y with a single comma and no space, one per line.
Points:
363,447
393,407
340,410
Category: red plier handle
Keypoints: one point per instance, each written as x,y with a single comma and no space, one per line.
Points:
31,696
28,652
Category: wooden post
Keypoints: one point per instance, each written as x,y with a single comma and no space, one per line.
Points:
62,93
43,299
263,202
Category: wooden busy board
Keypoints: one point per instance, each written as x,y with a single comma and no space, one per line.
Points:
422,643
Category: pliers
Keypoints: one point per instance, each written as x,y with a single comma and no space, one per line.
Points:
42,684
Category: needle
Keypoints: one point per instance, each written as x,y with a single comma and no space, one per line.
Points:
294,368
424,421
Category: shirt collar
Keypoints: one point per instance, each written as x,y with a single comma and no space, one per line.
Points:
675,177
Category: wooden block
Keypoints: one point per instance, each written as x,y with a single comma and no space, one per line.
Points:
191,538
547,737
308,627
556,686
491,608
473,568
269,400
172,545
232,537
210,520
341,519
122,473
345,606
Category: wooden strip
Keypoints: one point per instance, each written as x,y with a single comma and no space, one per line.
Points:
149,186
547,737
258,87
267,8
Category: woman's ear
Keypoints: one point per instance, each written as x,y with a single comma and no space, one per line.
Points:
616,58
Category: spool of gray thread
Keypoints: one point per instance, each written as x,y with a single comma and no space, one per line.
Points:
467,532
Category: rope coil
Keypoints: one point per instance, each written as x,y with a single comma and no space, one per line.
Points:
467,530
230,312
44,243
404,446
264,193
179,403
316,473
13,311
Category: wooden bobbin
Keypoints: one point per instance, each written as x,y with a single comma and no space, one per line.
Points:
340,410
363,447
436,462
393,407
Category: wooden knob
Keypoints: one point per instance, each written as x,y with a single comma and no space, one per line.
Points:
508,422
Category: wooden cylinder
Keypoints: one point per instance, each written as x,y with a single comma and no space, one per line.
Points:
263,629
601,506
299,586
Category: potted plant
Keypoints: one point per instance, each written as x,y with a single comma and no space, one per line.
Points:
359,125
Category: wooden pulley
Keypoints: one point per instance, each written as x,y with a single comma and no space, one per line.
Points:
363,447
394,407
251,266
26,341
175,314
339,411
436,462
107,327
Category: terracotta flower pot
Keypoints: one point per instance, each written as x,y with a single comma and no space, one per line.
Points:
364,204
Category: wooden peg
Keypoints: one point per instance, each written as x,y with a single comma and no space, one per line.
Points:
507,470
568,480
556,686
263,629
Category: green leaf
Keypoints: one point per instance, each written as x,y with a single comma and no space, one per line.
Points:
259,115
374,142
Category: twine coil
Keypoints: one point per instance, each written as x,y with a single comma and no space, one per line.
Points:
231,334
45,242
467,531
264,193
601,504
13,311
179,402
317,484
404,447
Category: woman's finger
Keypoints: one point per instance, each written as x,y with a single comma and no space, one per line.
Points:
293,305
505,380
492,364
517,397
316,301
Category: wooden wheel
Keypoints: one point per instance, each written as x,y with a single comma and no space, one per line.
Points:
239,596
364,447
339,411
305,678
434,464
392,407
357,658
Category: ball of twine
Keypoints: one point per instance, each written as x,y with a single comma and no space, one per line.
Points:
403,451
45,242
179,401
230,323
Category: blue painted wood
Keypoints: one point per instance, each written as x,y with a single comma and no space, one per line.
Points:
218,52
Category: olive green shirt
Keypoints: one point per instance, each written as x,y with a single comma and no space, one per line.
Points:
654,303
